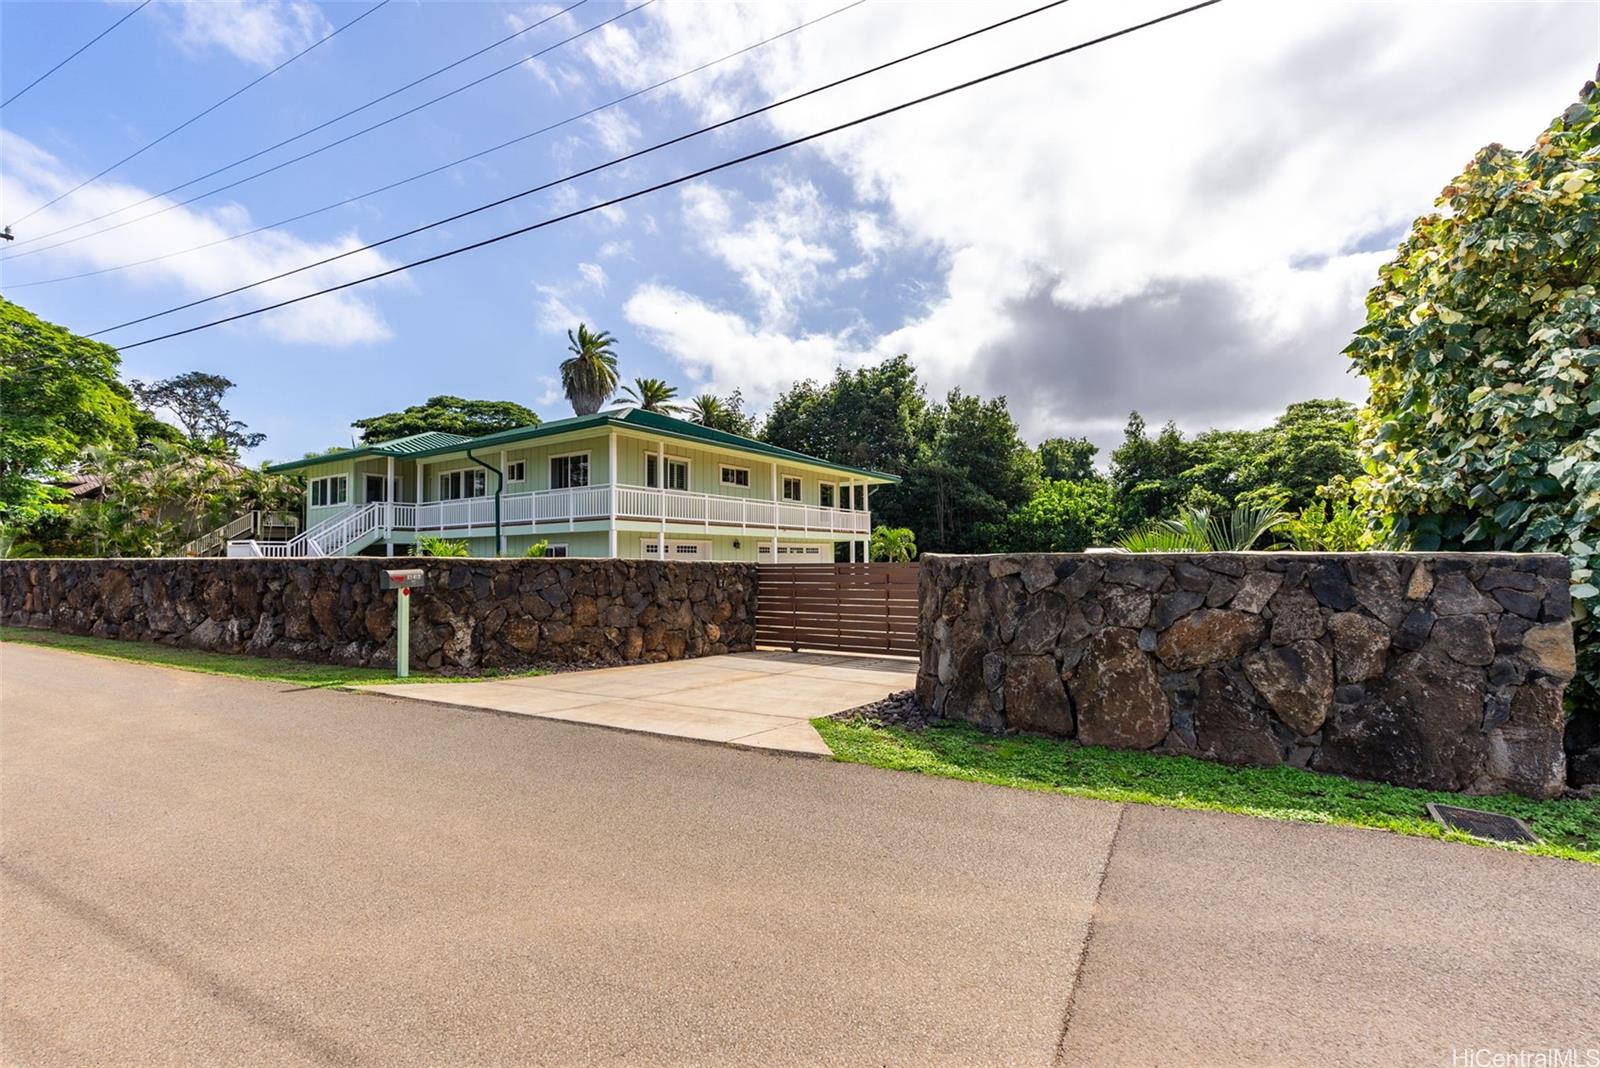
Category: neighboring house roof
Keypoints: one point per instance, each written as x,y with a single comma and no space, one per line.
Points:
627,418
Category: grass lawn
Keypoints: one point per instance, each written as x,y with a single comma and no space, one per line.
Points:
299,672
1569,829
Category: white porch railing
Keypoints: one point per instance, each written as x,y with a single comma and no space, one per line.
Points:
580,504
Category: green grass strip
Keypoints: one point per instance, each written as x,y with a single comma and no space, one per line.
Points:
1569,829
299,672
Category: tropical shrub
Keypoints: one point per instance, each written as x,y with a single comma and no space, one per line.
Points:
1196,530
435,546
538,548
1482,348
1336,523
893,545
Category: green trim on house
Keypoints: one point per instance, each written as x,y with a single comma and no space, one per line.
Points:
626,419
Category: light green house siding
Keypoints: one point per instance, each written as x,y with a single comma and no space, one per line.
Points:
705,471
535,458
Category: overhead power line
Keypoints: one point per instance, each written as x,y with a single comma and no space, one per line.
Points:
81,49
453,163
683,178
616,161
292,139
195,118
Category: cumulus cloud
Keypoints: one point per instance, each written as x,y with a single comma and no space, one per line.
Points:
1183,220
262,33
33,176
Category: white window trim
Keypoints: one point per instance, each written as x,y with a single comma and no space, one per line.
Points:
471,469
513,464
551,547
783,483
588,467
722,468
688,470
832,485
327,498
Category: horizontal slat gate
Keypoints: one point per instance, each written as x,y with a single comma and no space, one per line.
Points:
866,608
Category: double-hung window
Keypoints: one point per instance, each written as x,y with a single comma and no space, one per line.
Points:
568,472
791,488
677,472
470,482
517,471
734,476
329,490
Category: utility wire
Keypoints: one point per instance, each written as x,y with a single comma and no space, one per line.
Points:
454,163
82,48
596,168
195,118
681,179
290,140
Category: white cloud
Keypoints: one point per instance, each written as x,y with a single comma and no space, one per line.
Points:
263,33
612,250
778,252
33,176
556,314
594,275
1221,188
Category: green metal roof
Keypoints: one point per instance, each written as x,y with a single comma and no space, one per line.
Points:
627,418
410,445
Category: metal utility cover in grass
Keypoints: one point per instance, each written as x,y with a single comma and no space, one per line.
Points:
1491,825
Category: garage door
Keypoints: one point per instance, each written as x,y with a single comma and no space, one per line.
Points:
677,550
799,552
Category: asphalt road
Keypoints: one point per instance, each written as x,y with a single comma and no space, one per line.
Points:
197,870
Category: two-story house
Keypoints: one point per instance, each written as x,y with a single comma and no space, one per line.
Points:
620,483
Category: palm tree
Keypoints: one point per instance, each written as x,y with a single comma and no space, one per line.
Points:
589,376
706,409
894,544
653,395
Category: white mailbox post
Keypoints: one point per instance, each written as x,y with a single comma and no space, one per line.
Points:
403,580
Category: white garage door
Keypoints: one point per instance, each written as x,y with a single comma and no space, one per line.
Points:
677,550
797,552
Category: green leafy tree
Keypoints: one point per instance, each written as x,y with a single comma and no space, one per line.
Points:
893,545
446,415
195,399
653,395
1482,349
589,375
59,393
1062,517
1067,459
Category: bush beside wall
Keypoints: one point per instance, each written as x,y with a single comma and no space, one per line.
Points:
470,615
1442,671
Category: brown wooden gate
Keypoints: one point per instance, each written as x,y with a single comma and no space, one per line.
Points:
862,608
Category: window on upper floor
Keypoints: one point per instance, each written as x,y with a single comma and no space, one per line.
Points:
827,494
791,488
569,472
468,482
517,471
734,476
328,490
677,472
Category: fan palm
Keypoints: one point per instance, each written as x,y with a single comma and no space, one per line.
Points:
653,395
589,375
1196,531
894,544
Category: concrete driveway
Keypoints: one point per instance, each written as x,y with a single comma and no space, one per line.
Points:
762,700
201,870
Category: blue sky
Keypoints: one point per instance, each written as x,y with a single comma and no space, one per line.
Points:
1183,221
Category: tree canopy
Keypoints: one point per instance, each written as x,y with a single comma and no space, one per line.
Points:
446,415
195,399
59,393
1482,347
1068,459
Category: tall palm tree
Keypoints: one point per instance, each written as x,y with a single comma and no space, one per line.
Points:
653,395
589,376
707,410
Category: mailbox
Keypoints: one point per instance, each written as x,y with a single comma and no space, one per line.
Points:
403,579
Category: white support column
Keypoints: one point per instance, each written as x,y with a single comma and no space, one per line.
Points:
775,522
500,484
866,516
388,509
661,490
611,495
